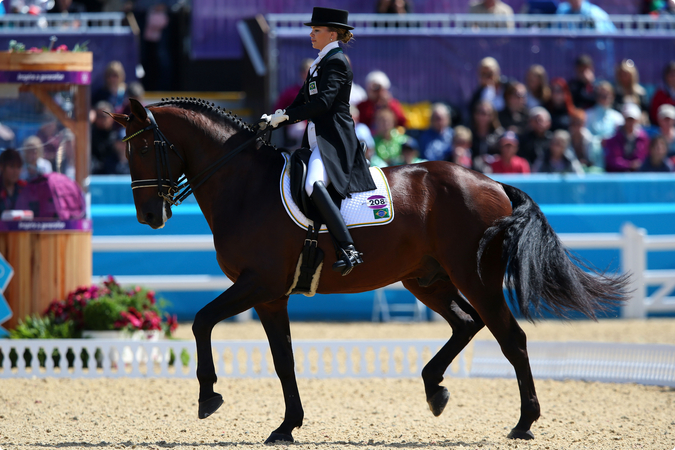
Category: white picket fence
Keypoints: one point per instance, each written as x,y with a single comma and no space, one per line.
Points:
633,243
651,364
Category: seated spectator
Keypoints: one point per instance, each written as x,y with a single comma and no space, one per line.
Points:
114,90
290,92
582,85
658,7
586,147
628,148
594,16
34,163
291,135
538,89
514,115
461,146
496,8
50,137
104,138
490,87
65,155
486,131
666,122
6,136
388,139
536,141
436,142
602,120
508,161
627,88
357,94
377,88
363,133
658,160
560,106
12,184
665,95
410,153
560,157
393,7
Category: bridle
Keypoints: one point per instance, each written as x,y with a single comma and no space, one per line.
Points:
178,191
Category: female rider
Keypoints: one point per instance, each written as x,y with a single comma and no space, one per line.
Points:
336,157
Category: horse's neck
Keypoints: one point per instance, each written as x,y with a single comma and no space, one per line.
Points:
243,180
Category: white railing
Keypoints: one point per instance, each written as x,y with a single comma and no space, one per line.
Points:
632,242
440,24
652,364
112,22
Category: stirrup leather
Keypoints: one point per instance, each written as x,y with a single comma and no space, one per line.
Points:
349,259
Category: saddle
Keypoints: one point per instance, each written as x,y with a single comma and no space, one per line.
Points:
298,174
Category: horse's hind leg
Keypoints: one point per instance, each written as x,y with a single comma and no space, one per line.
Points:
494,311
274,318
444,298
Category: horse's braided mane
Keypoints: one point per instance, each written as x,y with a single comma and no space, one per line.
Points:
204,107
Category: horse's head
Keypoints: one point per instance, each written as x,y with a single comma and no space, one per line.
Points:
155,167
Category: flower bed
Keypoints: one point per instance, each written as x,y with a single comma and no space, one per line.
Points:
99,307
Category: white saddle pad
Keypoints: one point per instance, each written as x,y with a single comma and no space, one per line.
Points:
363,209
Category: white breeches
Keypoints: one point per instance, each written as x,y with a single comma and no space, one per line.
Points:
316,171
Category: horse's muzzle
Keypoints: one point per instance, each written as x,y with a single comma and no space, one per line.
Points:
155,217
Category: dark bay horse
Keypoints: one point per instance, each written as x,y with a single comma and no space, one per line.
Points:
455,236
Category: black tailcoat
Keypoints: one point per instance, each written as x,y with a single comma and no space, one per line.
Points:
324,99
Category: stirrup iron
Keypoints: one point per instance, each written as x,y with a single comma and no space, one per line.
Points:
349,259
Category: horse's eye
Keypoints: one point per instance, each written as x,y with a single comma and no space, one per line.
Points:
144,150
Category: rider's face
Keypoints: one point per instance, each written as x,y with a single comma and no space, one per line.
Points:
321,36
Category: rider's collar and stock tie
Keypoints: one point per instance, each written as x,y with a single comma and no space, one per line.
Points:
179,190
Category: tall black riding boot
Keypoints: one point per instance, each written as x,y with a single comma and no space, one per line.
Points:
348,257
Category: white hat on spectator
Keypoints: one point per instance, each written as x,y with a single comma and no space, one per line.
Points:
377,77
666,111
540,111
631,111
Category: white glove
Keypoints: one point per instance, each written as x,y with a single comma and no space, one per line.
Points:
264,121
278,117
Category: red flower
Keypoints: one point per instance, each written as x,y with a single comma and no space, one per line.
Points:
151,297
134,318
34,50
172,322
61,48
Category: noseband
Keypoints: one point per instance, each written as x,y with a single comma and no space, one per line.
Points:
178,191
162,145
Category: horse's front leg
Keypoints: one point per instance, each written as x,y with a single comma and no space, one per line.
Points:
274,318
245,293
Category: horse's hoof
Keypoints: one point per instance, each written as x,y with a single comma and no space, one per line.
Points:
279,437
208,407
438,401
520,434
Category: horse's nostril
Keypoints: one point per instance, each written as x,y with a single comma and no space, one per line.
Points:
149,217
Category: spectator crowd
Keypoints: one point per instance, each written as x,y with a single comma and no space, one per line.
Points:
579,125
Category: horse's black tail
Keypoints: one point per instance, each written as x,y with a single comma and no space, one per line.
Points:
543,274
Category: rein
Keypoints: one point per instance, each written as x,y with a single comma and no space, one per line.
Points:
178,191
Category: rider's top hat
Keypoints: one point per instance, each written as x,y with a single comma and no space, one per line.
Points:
329,17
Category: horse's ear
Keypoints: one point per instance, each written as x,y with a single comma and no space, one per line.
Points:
122,119
138,110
